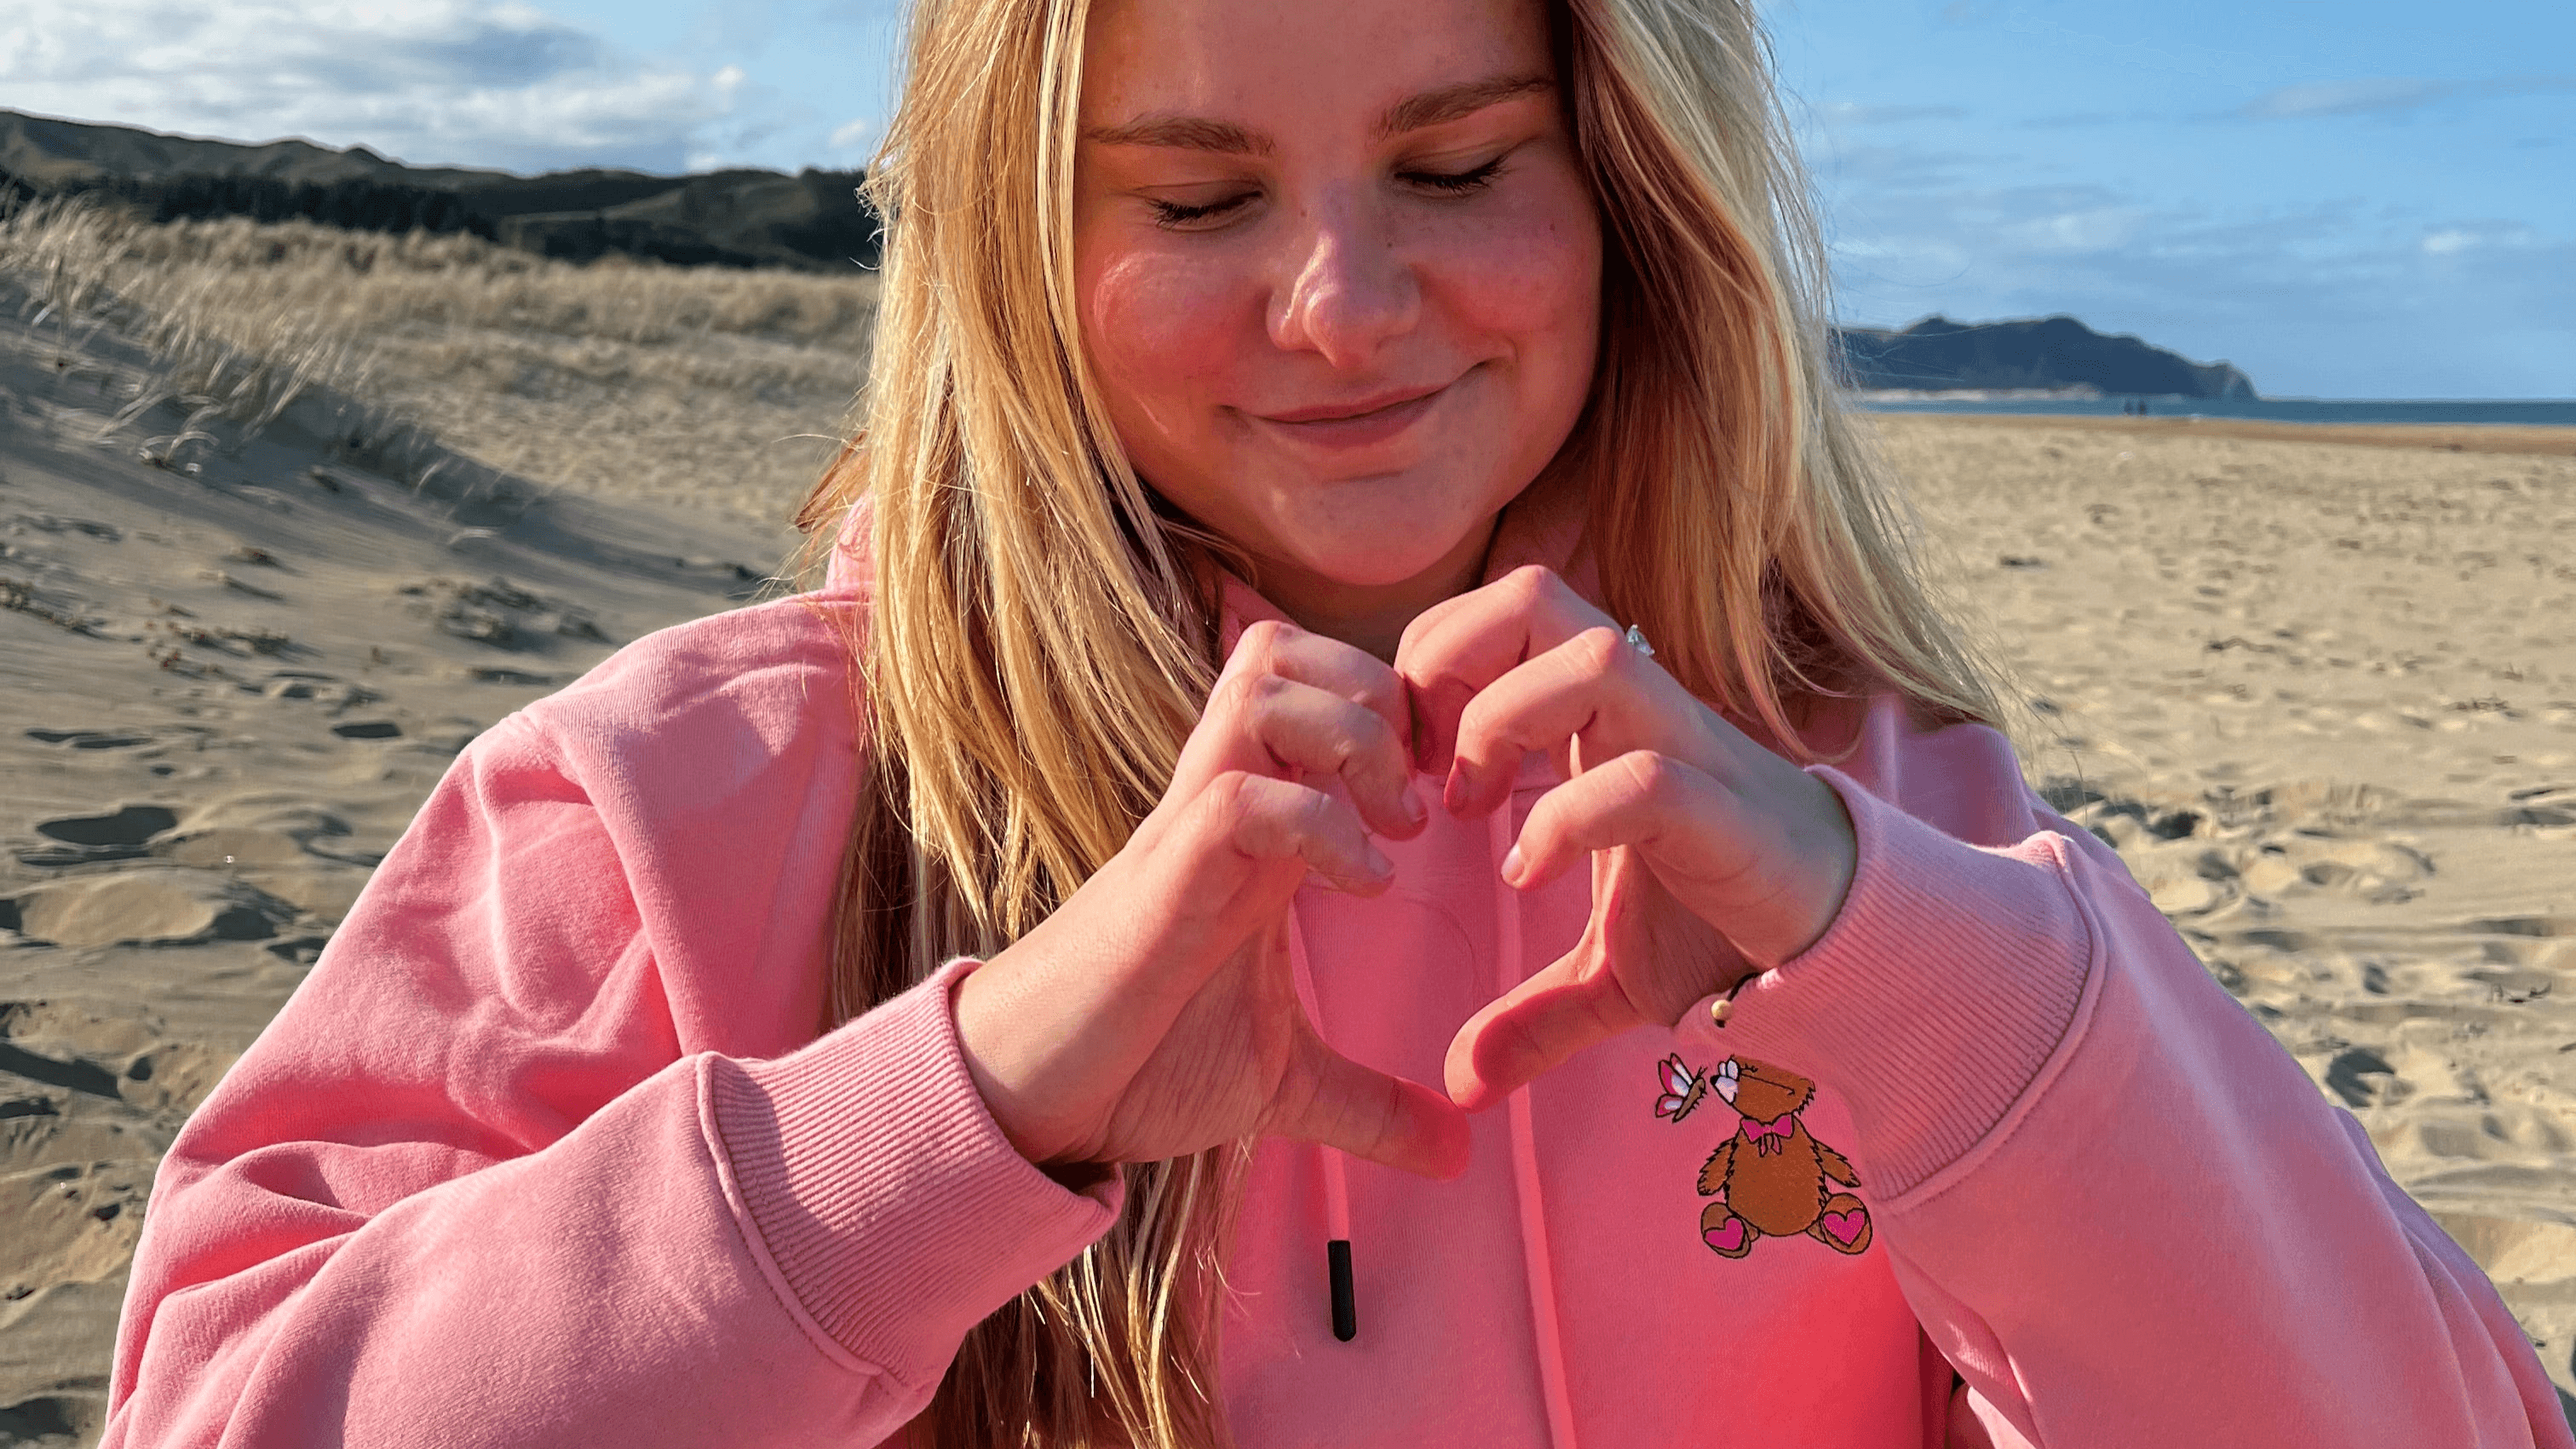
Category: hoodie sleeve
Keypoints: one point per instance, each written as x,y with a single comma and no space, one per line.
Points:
2119,1208
471,1188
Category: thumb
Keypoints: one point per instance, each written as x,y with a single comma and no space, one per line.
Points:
1533,1027
1369,1114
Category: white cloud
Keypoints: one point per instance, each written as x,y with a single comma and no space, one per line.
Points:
479,81
2386,94
855,135
2090,229
2470,236
2347,98
1851,113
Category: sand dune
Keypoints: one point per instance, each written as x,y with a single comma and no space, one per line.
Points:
231,677
2322,698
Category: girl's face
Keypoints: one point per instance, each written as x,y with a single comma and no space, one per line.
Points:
1339,275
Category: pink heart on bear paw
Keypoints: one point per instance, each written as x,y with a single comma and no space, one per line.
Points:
1844,1227
1728,1237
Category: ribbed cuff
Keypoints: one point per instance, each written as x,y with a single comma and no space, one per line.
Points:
885,1194
1932,1001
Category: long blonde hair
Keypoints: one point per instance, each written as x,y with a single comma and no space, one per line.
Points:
1043,633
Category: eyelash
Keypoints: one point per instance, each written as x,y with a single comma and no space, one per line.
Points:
1458,183
1461,183
1175,214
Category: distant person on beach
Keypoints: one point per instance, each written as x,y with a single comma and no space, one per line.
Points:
1368,838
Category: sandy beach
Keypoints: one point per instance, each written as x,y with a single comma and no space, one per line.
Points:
2320,693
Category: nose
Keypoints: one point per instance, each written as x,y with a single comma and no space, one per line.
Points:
1348,290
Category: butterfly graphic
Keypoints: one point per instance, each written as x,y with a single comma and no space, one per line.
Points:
1683,1088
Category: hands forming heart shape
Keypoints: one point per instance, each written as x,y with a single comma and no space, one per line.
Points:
1154,1014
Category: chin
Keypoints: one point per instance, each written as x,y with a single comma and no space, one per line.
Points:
1384,530
1380,554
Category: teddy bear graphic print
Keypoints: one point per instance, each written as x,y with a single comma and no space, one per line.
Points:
1770,1178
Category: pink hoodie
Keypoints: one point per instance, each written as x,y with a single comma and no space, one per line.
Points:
546,1149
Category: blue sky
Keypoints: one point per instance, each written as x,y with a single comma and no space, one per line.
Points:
2356,199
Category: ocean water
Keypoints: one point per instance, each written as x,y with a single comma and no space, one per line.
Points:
2526,412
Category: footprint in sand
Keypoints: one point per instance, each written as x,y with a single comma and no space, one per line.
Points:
159,905
2193,862
2362,1077
91,1103
324,689
81,839
89,739
126,1059
285,846
499,613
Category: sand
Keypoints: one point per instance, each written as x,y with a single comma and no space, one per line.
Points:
2322,698
2321,695
231,679
2412,437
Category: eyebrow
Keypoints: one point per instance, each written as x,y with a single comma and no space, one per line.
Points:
1187,133
1431,108
1450,103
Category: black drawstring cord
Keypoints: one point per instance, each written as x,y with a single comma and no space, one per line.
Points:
1346,1307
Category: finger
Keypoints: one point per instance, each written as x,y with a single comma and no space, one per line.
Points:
1273,646
1306,729
1272,725
1595,687
1766,878
1366,1113
1224,870
1532,1028
1325,664
1268,820
1642,799
1292,701
1454,649
1226,866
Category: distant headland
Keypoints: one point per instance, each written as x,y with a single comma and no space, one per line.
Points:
2048,356
812,222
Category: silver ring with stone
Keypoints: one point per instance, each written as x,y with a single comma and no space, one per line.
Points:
1637,641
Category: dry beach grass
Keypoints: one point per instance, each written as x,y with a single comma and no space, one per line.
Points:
2322,697
706,387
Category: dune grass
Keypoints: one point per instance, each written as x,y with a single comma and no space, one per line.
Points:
706,385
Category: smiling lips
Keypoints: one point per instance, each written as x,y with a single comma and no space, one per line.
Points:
1357,424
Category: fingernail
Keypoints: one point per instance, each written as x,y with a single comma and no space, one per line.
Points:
1513,865
1415,812
1378,864
1453,791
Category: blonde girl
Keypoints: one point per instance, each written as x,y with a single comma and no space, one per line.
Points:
1368,840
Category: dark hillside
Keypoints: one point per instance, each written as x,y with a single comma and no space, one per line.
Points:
2048,354
811,221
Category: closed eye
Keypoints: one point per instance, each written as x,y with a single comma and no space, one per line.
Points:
1457,183
1179,215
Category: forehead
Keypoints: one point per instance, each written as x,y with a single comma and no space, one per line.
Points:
1254,62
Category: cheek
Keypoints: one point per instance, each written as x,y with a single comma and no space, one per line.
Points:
1159,333
1535,280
